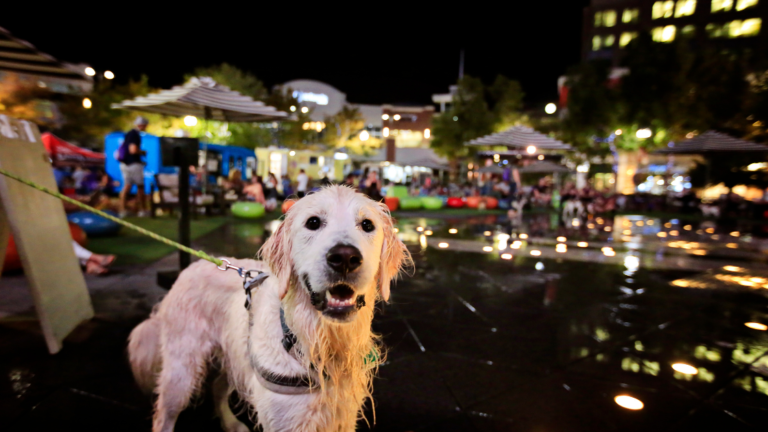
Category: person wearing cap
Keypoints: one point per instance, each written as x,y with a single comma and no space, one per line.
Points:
132,167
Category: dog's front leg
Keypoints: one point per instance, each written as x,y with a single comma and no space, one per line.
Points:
221,392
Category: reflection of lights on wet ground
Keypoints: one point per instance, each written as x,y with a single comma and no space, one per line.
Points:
516,244
710,230
487,249
582,244
561,248
539,266
735,234
662,234
756,326
685,368
561,239
699,252
734,269
628,402
535,252
419,229
732,245
607,229
627,232
699,232
523,236
442,245
687,227
487,233
682,283
423,241
428,232
715,237
608,251
747,283
590,225
631,262
667,225
453,230
506,256
674,233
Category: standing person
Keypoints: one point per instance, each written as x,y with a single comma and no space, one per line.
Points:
131,167
373,188
302,179
287,189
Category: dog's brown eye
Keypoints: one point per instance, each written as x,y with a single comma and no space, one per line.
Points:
367,225
313,223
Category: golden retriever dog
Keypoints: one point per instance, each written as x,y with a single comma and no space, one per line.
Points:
303,354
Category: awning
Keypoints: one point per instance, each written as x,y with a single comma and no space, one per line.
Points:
521,137
711,142
204,98
63,153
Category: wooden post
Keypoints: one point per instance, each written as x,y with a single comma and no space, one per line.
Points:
41,233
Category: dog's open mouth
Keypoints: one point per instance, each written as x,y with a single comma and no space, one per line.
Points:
340,296
338,302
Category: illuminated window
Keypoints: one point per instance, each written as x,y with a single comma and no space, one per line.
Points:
595,43
626,38
744,4
751,27
735,29
598,19
688,31
721,5
663,9
663,34
685,8
716,30
609,18
630,16
608,41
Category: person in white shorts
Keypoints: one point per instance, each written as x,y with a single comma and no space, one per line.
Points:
132,167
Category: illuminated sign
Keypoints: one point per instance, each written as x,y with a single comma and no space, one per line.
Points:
318,98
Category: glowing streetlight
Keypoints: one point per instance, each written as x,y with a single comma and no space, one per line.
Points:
685,368
643,133
385,116
90,71
541,157
304,110
396,117
756,326
453,231
292,153
629,402
442,245
109,75
364,135
427,133
293,108
190,121
531,149
385,132
550,108
618,132
87,104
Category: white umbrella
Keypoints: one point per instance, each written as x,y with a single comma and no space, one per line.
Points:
712,141
520,136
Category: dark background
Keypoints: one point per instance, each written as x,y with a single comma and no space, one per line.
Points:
385,52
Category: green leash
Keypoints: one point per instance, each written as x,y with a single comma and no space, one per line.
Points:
199,254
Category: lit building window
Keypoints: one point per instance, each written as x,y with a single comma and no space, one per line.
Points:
715,30
751,27
598,19
608,41
630,16
744,4
685,8
596,43
609,18
626,38
734,29
663,34
721,5
663,9
688,31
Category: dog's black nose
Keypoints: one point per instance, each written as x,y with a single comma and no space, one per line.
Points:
344,258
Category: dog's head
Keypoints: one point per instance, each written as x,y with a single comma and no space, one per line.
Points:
336,244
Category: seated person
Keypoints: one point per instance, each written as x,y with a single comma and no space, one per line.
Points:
234,183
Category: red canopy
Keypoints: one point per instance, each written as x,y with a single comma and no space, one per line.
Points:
63,153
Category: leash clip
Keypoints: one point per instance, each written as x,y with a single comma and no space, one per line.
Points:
250,282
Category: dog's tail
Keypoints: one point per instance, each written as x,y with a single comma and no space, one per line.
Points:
144,353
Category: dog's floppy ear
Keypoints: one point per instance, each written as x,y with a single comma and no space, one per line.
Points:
276,252
394,255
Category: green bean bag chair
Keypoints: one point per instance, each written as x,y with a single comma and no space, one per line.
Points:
432,203
397,191
410,203
248,210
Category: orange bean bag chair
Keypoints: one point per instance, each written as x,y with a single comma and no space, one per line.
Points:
13,260
287,204
392,203
455,202
473,202
491,203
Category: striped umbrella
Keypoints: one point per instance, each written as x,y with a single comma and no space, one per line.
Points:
521,136
710,142
544,167
21,57
205,98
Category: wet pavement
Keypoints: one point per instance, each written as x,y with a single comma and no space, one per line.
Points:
522,325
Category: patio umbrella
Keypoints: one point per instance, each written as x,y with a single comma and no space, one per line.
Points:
205,98
491,169
544,167
712,142
522,137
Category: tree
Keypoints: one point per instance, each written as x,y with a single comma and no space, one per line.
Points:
506,98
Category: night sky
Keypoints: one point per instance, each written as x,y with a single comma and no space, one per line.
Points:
389,53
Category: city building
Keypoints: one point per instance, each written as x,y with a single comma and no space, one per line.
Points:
610,25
